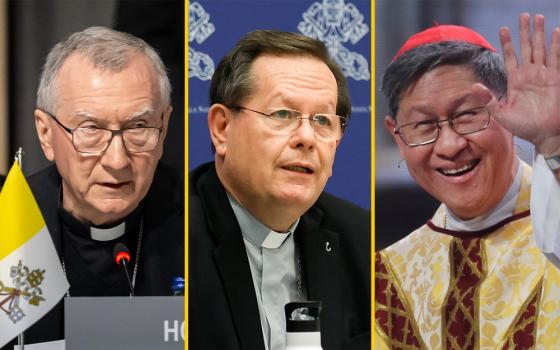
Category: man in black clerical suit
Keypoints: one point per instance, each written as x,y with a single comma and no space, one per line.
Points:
103,108
261,231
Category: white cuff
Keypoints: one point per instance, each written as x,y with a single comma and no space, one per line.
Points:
545,210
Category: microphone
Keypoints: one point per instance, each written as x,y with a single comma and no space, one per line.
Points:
122,258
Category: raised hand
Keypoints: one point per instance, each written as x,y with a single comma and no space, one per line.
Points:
531,109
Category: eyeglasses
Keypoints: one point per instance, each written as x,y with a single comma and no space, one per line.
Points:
94,140
285,121
427,131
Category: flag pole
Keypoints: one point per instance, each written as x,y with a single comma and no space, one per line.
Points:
20,341
19,158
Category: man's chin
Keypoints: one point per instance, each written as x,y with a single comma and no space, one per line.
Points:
111,211
467,208
298,198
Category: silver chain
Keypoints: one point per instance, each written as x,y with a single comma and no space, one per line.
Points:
135,271
137,253
299,273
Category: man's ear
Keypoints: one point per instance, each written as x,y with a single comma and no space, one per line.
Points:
166,114
44,132
390,125
218,120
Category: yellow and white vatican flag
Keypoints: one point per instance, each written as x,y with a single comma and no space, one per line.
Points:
31,277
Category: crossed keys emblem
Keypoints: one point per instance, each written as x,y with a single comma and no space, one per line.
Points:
26,286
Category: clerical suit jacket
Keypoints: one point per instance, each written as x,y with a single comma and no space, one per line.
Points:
162,255
334,238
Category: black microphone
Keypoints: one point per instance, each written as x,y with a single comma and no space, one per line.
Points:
122,258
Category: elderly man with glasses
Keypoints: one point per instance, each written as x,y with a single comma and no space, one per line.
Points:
103,108
261,231
476,275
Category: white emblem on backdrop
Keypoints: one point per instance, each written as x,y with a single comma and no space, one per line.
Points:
334,23
201,65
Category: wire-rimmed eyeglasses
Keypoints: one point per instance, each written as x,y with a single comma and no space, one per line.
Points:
427,131
285,120
95,140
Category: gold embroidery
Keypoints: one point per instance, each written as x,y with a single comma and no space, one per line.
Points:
410,322
521,321
458,298
511,279
514,267
548,322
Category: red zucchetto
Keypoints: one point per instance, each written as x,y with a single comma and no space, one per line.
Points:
439,33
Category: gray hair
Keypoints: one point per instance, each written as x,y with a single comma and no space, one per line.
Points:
408,68
107,49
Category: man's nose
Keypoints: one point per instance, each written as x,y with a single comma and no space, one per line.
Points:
304,135
116,155
449,143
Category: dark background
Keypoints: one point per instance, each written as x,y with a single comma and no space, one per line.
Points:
35,26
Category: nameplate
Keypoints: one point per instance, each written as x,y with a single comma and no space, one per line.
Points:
123,323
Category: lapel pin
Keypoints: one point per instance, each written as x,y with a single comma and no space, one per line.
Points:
328,247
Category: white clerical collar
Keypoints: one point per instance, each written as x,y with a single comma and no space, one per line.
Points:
255,231
274,239
107,234
97,233
503,210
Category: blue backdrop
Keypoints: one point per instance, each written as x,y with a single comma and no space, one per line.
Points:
344,25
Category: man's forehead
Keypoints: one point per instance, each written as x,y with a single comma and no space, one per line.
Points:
142,112
269,58
292,71
86,91
431,83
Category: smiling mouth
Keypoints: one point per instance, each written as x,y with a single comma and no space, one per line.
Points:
299,169
459,171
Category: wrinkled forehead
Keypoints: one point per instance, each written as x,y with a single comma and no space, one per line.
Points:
81,87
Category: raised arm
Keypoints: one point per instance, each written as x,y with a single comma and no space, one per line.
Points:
531,109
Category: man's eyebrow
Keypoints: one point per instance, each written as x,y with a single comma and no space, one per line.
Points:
452,105
85,114
455,103
148,110
135,115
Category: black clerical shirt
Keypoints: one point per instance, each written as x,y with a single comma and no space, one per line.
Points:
89,264
161,254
